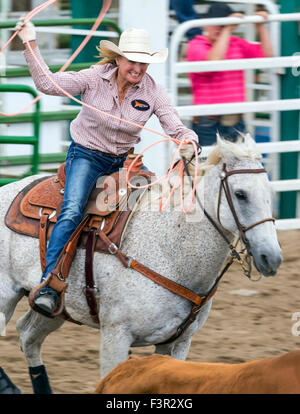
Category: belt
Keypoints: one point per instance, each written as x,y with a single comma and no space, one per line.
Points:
113,155
130,151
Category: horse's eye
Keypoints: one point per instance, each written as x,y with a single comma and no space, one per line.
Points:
241,195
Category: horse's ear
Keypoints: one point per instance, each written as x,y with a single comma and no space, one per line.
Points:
244,147
225,148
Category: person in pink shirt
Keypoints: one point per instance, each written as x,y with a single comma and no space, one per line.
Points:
217,43
120,86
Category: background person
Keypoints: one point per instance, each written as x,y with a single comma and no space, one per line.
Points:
119,85
185,11
217,43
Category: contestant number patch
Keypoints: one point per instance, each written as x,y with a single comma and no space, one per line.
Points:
140,105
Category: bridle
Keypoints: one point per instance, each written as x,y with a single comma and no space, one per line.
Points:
245,262
225,186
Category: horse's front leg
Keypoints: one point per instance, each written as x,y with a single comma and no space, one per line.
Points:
180,347
177,349
115,343
33,328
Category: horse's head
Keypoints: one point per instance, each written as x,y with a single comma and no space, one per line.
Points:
243,203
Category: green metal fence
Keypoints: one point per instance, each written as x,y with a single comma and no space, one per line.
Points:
32,140
10,24
38,116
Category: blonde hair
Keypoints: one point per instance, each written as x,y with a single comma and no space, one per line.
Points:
106,56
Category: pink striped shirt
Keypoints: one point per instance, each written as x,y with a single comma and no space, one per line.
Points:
98,87
220,87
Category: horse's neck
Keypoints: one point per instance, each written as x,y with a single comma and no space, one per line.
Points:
194,249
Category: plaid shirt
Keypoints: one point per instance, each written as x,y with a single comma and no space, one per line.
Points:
98,87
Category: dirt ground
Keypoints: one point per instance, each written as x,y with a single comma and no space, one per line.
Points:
249,320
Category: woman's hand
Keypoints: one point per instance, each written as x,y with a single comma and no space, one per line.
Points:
23,25
187,151
233,27
264,35
263,14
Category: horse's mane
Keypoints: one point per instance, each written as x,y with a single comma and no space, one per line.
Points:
243,148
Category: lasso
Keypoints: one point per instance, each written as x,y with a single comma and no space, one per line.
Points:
105,7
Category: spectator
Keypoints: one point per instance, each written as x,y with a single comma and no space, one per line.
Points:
185,11
217,43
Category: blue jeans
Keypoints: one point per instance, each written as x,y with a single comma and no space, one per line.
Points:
83,167
207,128
185,11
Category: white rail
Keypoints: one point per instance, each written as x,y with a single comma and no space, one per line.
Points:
239,107
239,64
79,32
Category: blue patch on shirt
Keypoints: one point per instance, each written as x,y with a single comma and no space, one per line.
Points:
140,105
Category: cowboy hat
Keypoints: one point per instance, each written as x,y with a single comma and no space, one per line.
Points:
134,44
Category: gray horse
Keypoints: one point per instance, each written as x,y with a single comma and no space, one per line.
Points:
186,248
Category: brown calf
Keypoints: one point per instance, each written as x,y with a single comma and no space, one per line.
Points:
161,374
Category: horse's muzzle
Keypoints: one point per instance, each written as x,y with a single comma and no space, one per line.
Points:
267,262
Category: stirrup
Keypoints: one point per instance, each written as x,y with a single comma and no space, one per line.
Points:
35,292
53,300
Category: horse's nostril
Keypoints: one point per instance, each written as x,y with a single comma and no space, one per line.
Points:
271,264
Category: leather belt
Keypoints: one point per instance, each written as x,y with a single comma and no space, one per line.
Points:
130,151
113,155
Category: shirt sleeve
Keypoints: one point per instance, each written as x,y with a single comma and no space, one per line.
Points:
169,118
75,83
197,49
251,50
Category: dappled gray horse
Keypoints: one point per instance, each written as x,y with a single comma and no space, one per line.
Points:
133,310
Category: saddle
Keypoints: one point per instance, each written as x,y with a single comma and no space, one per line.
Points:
34,213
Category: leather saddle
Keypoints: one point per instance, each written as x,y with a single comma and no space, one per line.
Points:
35,209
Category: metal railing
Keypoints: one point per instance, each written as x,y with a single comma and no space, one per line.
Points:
10,24
45,116
182,67
271,106
27,140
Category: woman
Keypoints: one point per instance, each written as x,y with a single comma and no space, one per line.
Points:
217,43
118,85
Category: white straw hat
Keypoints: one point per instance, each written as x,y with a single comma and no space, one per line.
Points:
134,44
